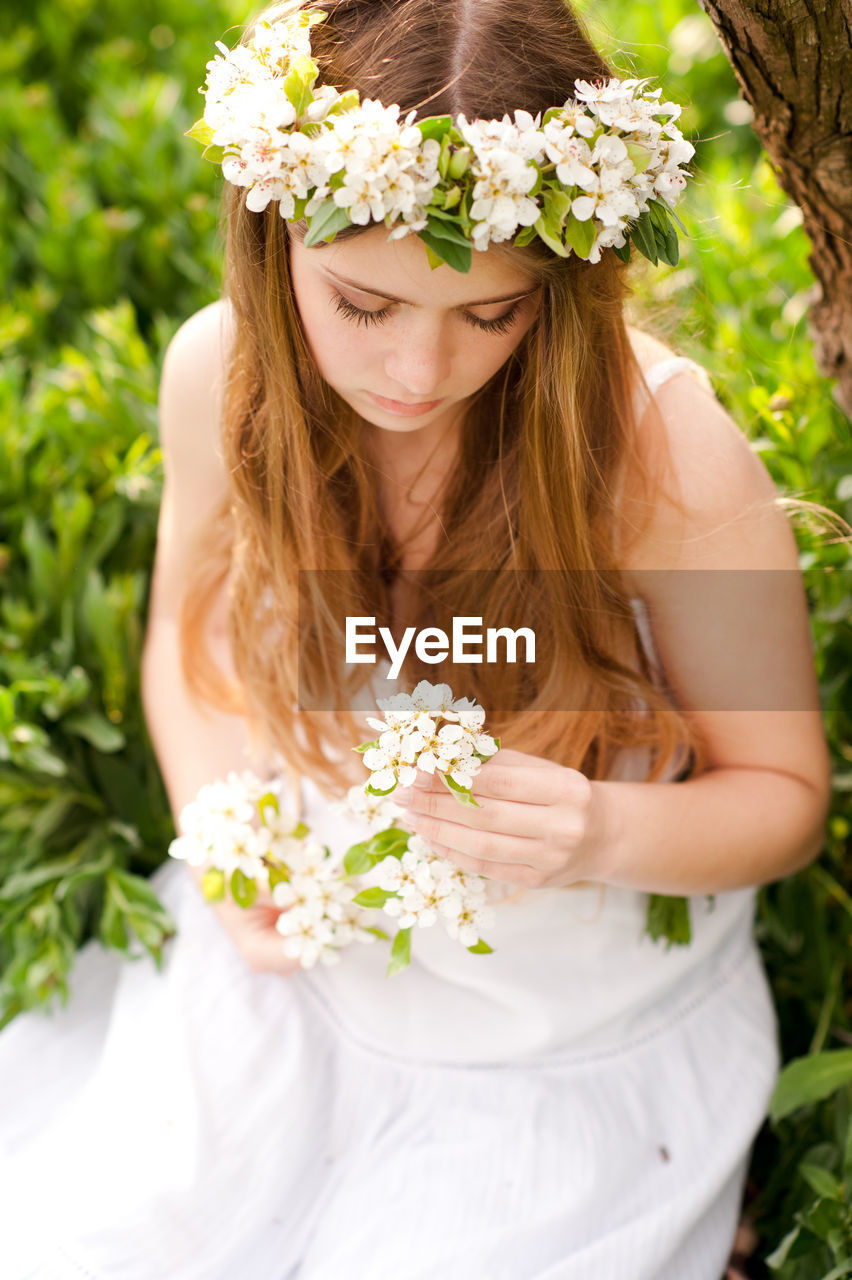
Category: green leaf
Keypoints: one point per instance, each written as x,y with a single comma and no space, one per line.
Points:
268,801
213,884
134,892
201,132
544,233
434,126
433,259
807,1080
111,926
821,1181
357,860
383,841
623,253
672,246
95,729
447,229
481,948
459,164
400,955
42,561
299,81
243,888
326,222
346,102
642,235
147,931
463,794
580,235
640,156
658,215
278,874
374,791
373,897
557,206
444,157
455,254
379,933
300,830
525,236
668,917
779,1256
365,746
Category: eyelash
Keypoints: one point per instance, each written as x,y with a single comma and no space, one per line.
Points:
502,325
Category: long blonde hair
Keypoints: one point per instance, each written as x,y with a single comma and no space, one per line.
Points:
545,445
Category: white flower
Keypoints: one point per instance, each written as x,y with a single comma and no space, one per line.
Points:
227,799
670,184
281,40
391,761
679,152
466,920
611,208
307,938
504,166
572,156
398,874
612,90
378,812
353,924
188,849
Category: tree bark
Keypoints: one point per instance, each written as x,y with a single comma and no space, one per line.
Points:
793,59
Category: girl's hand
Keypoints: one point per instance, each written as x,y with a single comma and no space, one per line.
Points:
539,823
252,931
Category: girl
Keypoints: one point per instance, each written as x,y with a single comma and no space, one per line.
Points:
582,1100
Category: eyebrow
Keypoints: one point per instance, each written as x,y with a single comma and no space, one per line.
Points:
484,302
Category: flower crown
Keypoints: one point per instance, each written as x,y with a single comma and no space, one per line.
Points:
601,171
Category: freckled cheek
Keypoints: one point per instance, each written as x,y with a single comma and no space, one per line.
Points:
339,352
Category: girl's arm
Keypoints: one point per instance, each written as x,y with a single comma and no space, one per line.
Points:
729,620
195,745
728,616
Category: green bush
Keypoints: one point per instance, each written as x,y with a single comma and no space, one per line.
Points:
107,241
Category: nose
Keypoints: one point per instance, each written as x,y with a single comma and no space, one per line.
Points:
419,361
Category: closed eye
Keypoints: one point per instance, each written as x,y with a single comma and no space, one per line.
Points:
360,316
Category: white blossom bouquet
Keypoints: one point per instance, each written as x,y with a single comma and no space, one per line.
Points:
603,170
238,828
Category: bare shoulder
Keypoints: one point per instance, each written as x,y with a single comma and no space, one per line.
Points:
714,492
648,350
191,387
195,480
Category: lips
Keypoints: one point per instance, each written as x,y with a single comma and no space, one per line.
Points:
407,408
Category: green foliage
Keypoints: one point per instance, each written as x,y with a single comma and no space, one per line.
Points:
737,304
109,239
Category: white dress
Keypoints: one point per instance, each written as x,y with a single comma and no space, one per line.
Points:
580,1103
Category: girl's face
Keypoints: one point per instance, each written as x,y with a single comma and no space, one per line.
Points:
401,343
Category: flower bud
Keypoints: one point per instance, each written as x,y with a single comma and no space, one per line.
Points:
459,162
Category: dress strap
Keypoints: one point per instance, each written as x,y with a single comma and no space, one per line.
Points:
665,369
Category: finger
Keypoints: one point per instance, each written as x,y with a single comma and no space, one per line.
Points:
505,816
508,873
487,846
522,784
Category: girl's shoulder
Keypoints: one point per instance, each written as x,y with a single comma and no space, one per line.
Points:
709,475
659,363
192,387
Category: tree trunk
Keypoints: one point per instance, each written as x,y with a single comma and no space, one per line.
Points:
793,59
